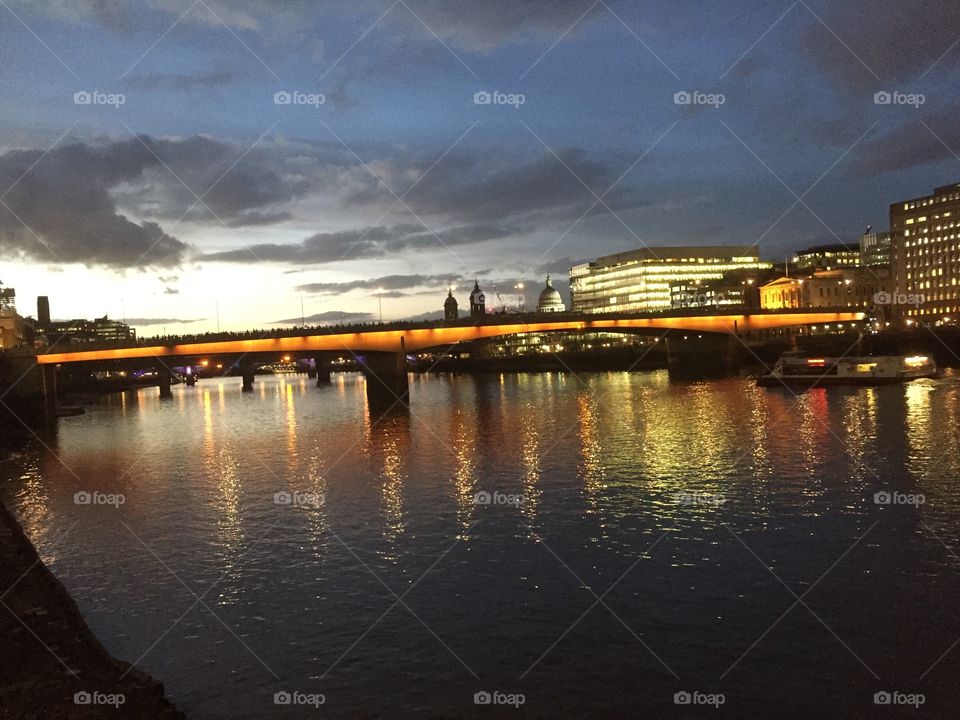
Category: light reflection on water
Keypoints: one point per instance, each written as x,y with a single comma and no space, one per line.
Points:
600,462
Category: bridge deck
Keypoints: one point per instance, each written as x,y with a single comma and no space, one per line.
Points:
414,338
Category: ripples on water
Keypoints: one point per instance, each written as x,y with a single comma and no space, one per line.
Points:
696,513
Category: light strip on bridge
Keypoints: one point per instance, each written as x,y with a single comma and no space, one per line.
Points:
416,339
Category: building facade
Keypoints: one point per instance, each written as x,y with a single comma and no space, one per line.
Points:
641,280
15,331
876,249
845,287
827,257
926,256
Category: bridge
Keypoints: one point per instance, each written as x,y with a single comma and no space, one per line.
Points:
384,347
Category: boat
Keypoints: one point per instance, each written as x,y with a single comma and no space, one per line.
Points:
797,368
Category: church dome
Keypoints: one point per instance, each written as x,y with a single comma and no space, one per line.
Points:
550,299
450,302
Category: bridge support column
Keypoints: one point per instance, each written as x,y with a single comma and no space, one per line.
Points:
29,392
388,383
322,370
247,373
164,378
694,355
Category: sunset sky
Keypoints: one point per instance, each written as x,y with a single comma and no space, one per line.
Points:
183,185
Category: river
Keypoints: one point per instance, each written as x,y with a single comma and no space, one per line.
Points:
633,538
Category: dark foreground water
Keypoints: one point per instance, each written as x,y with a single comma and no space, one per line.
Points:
643,539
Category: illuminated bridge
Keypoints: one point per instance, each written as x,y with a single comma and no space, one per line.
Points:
383,348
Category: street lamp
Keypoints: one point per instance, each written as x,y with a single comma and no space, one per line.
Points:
519,289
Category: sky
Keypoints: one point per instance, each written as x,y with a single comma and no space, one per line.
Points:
195,164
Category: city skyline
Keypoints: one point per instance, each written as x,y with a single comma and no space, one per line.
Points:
173,162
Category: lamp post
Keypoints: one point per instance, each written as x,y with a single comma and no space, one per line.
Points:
519,289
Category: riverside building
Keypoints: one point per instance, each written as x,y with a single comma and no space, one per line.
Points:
641,280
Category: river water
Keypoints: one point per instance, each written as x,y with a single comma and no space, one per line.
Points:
643,538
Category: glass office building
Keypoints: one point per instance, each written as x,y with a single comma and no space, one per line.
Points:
641,280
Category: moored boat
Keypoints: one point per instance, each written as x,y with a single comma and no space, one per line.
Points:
798,369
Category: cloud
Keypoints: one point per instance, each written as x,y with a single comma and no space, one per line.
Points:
331,317
898,41
912,145
148,322
171,291
59,208
387,283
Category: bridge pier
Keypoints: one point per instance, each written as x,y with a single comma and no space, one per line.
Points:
702,355
247,374
388,383
164,379
321,370
29,394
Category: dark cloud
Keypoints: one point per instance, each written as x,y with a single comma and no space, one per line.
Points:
59,208
354,244
912,145
148,322
466,24
331,317
895,40
388,283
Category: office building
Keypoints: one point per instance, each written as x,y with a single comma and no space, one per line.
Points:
641,280
826,257
875,249
926,256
